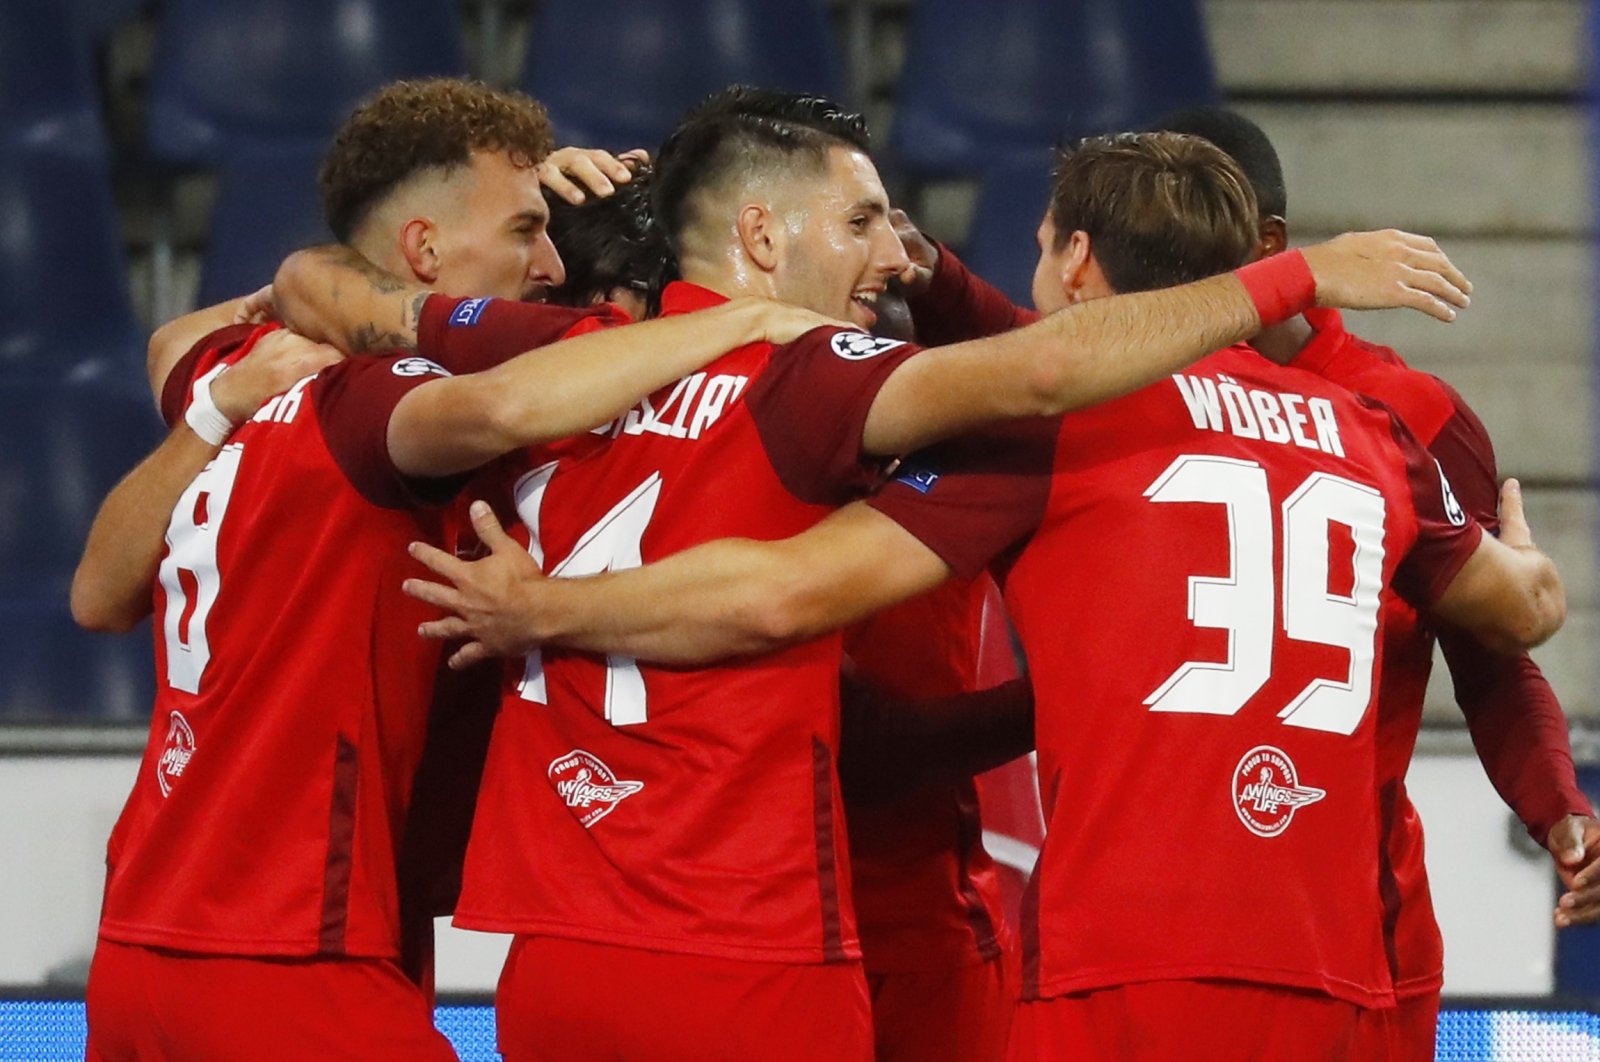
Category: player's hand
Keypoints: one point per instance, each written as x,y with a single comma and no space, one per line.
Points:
769,321
1387,269
1574,844
491,599
1514,529
277,360
923,252
576,173
256,307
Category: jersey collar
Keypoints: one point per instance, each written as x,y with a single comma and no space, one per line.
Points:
1327,339
680,296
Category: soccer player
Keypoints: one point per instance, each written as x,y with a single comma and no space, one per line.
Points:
251,906
1142,542
773,205
1516,721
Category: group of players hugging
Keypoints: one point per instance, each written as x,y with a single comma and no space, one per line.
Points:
1227,533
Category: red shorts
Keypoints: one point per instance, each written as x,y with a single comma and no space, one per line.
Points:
1201,1021
960,1014
571,999
148,1003
1417,1028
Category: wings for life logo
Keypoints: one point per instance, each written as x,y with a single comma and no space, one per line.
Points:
858,346
175,754
588,786
1267,791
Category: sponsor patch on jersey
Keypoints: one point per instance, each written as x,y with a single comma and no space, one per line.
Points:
466,313
1267,791
419,367
175,754
858,346
1452,508
920,480
590,788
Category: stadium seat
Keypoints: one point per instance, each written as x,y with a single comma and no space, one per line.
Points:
1001,247
987,83
279,68
63,446
267,205
63,282
618,74
47,93
52,670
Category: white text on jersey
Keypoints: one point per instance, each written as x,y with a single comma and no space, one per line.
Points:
695,403
282,408
1274,416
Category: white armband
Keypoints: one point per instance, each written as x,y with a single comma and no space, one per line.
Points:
203,416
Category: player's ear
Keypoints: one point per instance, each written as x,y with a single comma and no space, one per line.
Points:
1274,236
761,235
1078,267
419,246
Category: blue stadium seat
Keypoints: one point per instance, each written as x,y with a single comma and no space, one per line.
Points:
619,74
51,670
63,446
265,68
63,282
267,205
987,82
47,92
1001,247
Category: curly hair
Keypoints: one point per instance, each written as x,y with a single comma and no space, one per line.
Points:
411,126
1160,208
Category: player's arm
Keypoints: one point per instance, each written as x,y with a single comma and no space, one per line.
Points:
334,295
111,586
1109,347
1508,594
1517,725
457,423
169,343
888,746
725,598
948,302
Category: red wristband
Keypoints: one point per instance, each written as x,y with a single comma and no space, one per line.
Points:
1281,286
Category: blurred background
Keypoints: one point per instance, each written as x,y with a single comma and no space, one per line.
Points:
156,156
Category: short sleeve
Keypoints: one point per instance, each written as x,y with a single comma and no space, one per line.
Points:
224,345
975,498
471,335
1446,535
354,401
1466,453
810,407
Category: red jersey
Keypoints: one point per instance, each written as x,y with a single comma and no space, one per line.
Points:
1491,687
266,812
1196,572
293,693
927,894
682,810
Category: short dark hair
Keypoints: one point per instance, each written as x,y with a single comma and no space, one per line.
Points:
609,243
411,126
1160,209
1245,142
748,129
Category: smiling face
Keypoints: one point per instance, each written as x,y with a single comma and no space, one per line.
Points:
840,249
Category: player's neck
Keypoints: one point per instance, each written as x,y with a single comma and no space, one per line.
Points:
1283,343
729,279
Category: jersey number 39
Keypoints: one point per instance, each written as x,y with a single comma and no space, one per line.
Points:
1241,602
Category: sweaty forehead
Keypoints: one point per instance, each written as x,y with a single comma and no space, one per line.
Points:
851,182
